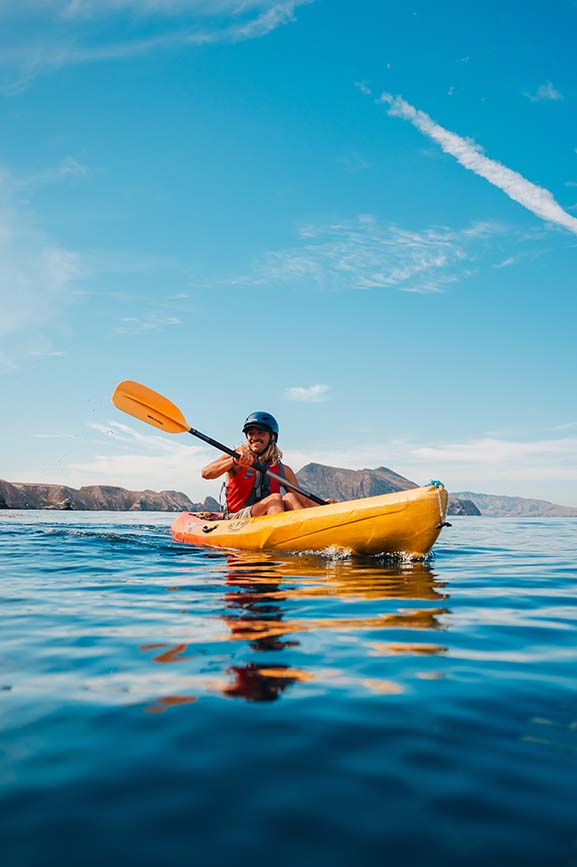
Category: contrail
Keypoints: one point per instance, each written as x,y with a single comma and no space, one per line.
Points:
534,198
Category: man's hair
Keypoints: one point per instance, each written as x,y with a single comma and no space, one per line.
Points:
273,454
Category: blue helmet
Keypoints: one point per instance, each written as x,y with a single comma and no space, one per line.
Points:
264,420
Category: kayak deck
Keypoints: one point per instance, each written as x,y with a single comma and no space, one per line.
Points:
404,523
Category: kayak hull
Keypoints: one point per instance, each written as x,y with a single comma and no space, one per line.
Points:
405,523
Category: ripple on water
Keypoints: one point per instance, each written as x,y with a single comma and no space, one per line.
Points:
160,701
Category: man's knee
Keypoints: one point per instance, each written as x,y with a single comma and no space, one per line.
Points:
271,504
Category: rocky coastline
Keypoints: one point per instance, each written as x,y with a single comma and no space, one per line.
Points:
337,482
343,484
15,495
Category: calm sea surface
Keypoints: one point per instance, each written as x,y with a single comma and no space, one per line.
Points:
164,705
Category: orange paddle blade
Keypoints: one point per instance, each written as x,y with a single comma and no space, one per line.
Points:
149,406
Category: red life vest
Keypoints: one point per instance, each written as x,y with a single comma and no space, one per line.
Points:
249,486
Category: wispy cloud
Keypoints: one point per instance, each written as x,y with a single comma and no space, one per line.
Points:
147,322
544,93
488,464
492,452
365,253
354,162
310,394
100,8
38,279
527,255
71,11
53,436
570,425
536,199
364,88
136,459
69,167
59,33
133,458
74,9
506,263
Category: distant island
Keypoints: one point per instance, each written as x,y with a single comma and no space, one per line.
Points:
345,484
15,495
502,507
336,482
342,484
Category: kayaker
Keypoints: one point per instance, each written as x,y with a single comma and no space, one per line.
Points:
250,493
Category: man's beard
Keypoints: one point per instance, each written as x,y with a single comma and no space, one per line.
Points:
259,454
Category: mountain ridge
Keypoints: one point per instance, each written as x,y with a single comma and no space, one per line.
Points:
337,482
25,495
344,484
341,484
501,506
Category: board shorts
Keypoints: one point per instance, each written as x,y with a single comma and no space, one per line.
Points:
242,513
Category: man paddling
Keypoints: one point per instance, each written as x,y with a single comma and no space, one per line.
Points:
249,492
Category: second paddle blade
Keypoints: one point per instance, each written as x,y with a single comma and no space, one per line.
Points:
149,406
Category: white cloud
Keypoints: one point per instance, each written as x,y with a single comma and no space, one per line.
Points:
522,257
568,426
364,253
38,280
135,459
147,322
70,9
492,451
53,436
536,468
506,263
58,33
132,458
99,8
354,162
534,198
545,92
68,167
312,394
364,88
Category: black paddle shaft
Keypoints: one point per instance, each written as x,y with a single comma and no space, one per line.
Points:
258,466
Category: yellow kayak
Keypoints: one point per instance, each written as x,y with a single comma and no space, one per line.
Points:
404,523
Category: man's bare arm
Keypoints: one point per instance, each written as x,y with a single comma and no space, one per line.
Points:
226,464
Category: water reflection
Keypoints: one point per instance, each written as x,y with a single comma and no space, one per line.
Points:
266,591
173,654
256,606
270,603
368,577
255,682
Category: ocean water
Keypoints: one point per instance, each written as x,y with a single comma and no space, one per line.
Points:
161,704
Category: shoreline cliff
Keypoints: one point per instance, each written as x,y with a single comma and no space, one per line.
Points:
337,482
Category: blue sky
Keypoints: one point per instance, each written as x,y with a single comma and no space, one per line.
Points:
360,217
